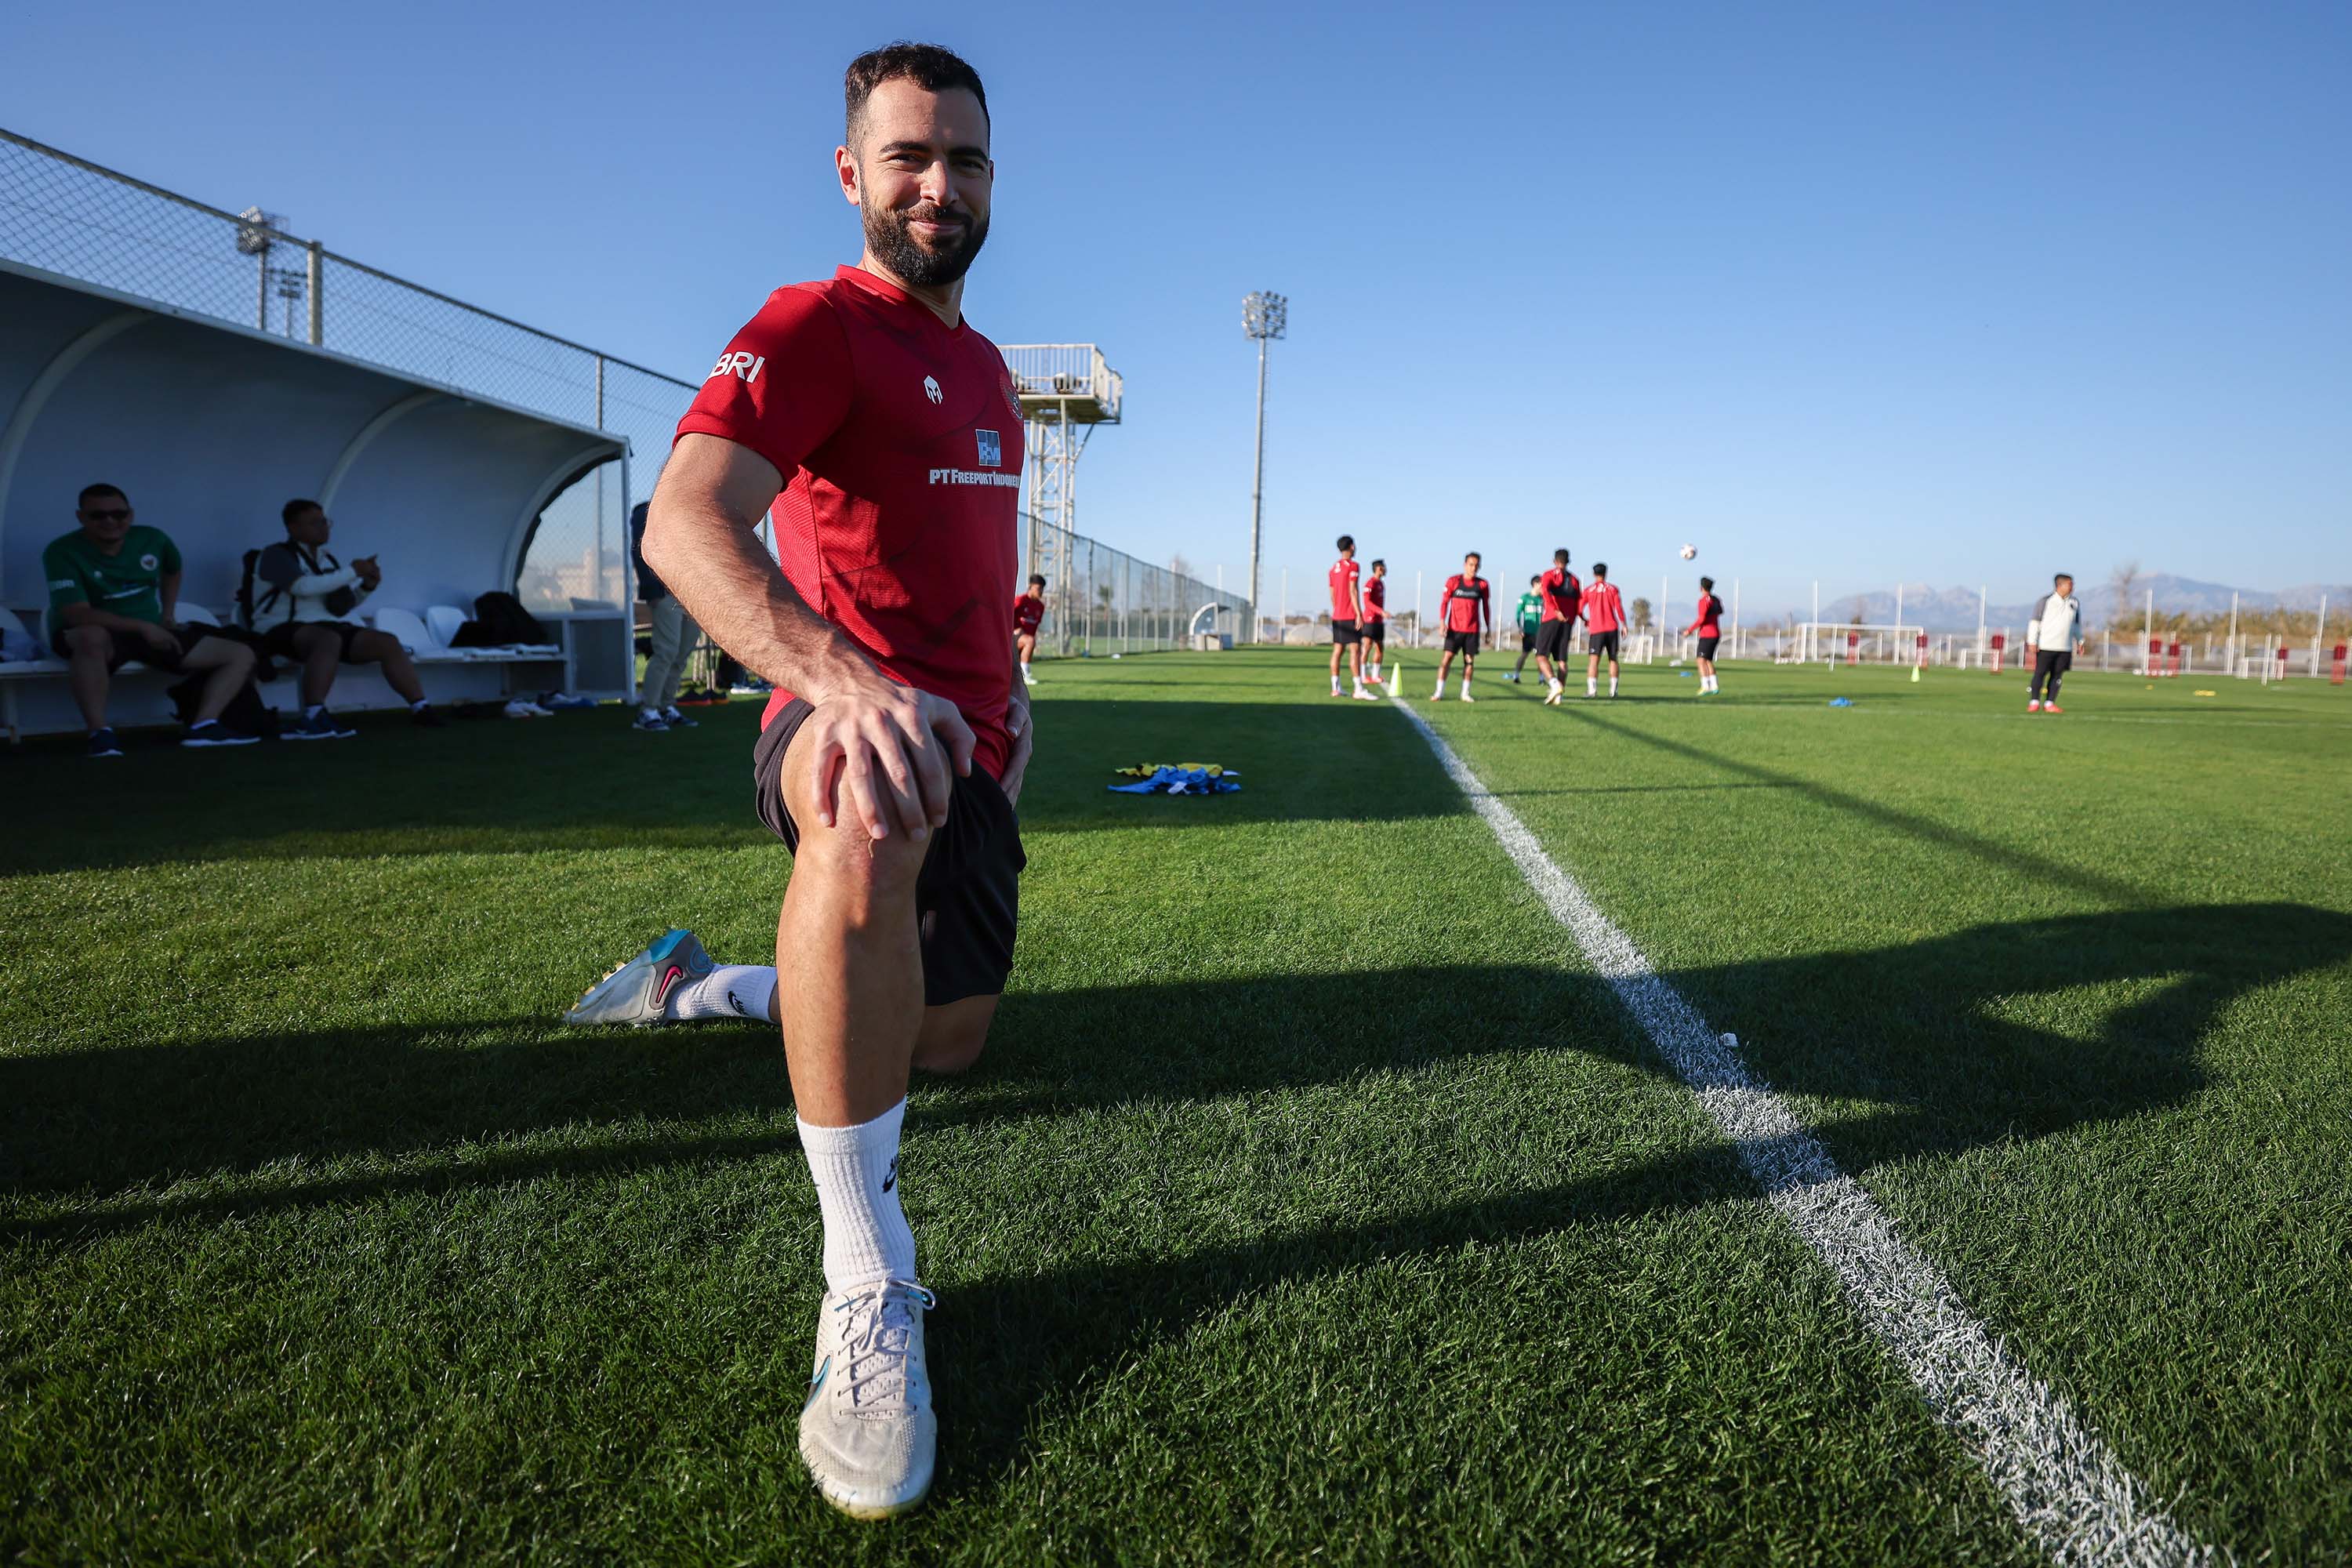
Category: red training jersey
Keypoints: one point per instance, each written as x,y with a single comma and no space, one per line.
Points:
1467,604
1562,593
1603,610
1028,613
1376,599
1709,623
1344,575
899,439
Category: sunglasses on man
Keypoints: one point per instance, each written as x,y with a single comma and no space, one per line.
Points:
105,513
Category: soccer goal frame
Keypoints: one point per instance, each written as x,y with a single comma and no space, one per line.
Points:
1872,642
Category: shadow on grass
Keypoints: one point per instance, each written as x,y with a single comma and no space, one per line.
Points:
1927,1034
586,781
1922,1030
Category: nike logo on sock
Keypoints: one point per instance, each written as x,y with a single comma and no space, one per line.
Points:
892,1179
737,1003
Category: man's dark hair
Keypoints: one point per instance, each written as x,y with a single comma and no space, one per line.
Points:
1347,541
2061,577
928,66
1472,555
1559,557
1534,578
82,501
1378,564
1037,579
294,509
1600,569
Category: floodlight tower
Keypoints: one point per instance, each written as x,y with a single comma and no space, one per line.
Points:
256,233
1264,317
1066,390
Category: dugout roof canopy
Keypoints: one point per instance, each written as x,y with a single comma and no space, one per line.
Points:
210,428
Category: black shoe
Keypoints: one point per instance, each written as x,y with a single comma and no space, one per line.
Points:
321,728
212,733
102,743
425,719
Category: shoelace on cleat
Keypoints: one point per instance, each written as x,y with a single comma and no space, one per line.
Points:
875,1342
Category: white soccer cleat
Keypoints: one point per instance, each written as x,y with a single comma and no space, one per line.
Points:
1467,697
1362,695
1438,695
1551,697
868,1432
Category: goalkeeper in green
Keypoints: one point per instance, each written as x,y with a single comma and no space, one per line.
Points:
1529,617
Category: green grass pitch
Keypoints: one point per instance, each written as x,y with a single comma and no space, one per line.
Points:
1314,1199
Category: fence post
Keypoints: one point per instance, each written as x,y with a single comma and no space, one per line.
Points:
318,284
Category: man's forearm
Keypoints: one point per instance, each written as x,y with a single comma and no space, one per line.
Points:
715,566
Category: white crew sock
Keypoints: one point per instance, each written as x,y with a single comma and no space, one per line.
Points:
729,990
649,713
867,1239
1466,683
1592,687
1613,686
1553,685
312,710
1374,673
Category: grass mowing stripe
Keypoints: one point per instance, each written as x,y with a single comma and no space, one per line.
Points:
2067,1490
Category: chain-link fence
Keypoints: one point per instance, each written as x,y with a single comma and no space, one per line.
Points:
1108,602
65,215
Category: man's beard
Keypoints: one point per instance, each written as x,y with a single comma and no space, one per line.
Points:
888,234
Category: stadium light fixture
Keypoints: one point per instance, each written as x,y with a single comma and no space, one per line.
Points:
1264,317
257,232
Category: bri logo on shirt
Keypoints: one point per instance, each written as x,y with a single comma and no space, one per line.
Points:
740,362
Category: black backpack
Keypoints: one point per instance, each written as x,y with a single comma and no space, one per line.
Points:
245,711
500,620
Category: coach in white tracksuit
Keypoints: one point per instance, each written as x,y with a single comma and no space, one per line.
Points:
2055,633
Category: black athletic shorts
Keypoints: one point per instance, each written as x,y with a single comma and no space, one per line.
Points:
1375,632
1345,635
1463,643
1706,646
1527,642
1602,643
968,895
1553,638
128,646
278,642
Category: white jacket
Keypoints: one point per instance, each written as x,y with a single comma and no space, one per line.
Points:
2056,625
293,582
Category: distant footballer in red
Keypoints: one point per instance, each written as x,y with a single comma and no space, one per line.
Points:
1562,597
1468,607
1604,621
1348,618
1708,624
1376,622
1028,614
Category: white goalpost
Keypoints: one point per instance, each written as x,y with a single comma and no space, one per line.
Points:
1842,642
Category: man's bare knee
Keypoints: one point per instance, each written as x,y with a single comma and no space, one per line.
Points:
88,642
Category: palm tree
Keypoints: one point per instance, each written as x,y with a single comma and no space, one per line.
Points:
1641,618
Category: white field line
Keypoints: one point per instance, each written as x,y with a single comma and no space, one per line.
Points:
2070,1495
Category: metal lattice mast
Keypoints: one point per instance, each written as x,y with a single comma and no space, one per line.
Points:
1065,390
1264,317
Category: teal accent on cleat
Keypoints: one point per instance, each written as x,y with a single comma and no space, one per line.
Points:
634,992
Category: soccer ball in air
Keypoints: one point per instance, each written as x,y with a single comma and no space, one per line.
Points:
1690,552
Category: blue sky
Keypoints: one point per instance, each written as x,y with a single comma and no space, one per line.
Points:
1855,292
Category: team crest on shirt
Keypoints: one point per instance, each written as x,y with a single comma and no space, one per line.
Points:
147,562
991,449
1012,398
931,389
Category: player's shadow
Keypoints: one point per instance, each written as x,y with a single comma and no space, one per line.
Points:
1931,1035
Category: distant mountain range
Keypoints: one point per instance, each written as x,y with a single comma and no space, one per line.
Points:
1954,609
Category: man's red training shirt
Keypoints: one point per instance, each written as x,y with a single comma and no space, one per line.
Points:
1376,599
900,441
1709,623
1467,603
1561,592
1344,575
1603,611
1028,614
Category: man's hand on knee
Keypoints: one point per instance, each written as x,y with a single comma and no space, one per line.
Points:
880,755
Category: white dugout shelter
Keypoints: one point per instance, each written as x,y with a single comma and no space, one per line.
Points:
210,428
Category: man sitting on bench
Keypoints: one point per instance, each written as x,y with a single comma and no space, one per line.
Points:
300,594
114,595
